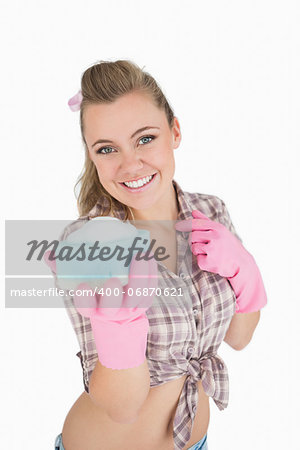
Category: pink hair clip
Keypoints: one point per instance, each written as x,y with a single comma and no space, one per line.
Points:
75,101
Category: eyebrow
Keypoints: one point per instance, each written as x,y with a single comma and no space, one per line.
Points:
101,141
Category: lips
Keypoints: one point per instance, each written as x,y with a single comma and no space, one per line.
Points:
140,188
137,179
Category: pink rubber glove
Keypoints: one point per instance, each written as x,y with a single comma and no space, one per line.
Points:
219,251
119,323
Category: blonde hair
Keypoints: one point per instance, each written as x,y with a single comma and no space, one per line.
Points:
105,82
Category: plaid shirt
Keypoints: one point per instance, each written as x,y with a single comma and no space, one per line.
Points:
185,331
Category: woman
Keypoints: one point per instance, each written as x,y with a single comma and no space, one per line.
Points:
129,133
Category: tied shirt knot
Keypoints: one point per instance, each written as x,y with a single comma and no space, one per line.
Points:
204,369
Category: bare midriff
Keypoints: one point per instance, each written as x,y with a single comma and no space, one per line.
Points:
87,426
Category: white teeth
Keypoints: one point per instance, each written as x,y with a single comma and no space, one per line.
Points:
139,183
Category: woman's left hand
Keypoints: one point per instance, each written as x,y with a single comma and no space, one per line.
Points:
216,248
219,251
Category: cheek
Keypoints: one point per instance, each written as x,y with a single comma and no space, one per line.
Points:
105,169
167,159
162,158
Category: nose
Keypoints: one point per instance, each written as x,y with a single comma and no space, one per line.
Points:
131,163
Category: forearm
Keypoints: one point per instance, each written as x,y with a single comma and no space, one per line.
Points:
241,329
121,393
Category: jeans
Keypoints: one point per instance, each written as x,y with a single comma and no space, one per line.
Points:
200,445
58,443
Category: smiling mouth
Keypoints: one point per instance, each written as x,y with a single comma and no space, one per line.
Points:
138,183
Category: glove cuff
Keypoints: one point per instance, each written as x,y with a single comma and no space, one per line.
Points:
249,289
121,345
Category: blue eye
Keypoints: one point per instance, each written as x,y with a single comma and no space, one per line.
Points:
104,148
147,137
102,152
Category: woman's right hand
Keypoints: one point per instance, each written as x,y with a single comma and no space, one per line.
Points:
118,321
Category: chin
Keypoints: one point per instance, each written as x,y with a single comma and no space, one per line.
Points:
141,205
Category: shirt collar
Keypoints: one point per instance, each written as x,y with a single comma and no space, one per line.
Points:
184,207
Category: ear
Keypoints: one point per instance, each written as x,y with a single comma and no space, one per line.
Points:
176,133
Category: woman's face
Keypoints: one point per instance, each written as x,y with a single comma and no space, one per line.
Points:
129,153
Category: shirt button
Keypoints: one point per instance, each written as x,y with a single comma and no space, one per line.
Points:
221,366
182,275
195,311
191,349
194,409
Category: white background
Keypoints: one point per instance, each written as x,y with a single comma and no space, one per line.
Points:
231,71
